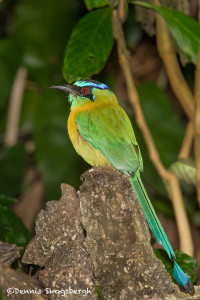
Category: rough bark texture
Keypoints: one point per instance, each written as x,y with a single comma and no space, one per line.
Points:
115,255
8,253
59,240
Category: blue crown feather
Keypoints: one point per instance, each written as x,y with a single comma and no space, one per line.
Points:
94,83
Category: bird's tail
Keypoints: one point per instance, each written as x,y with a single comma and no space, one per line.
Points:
159,233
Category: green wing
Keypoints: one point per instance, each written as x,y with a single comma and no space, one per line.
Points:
109,130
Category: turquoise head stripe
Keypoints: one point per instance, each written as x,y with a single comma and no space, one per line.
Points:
101,86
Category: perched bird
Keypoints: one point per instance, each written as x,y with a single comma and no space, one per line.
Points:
102,134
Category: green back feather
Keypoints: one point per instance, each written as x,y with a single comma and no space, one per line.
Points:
109,130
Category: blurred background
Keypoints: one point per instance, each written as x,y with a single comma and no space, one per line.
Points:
36,155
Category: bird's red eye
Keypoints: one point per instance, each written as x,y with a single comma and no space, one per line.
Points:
85,91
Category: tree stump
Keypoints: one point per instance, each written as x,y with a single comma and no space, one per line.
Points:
93,239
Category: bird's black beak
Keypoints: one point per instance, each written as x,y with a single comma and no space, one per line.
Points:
67,88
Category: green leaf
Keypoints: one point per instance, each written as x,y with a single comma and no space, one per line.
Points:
90,4
89,45
184,170
99,292
185,30
12,229
6,201
186,262
12,164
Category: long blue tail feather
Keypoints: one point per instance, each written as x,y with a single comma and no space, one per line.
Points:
159,233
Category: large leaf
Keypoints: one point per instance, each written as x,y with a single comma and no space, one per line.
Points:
6,201
186,262
89,45
12,229
185,30
184,170
90,4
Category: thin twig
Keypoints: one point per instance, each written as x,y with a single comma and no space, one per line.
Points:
121,10
15,107
169,58
186,244
187,141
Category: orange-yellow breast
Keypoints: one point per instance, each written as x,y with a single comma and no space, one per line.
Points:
90,154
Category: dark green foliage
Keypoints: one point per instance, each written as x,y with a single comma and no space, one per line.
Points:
12,229
166,129
8,66
163,206
12,164
186,262
89,45
90,4
37,40
56,158
165,125
185,30
7,201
